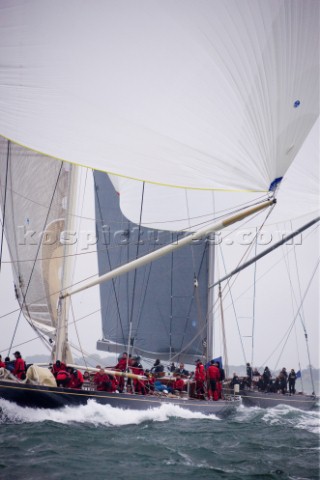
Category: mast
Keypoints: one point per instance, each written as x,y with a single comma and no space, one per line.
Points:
226,362
61,350
210,314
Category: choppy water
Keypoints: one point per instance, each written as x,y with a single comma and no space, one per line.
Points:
100,442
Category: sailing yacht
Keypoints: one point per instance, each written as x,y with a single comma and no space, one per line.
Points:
210,97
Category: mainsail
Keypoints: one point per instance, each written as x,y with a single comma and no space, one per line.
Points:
165,300
37,210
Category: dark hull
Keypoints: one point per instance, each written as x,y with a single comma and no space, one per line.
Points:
252,398
37,396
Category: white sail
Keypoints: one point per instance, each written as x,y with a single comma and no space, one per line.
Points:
36,214
177,209
209,95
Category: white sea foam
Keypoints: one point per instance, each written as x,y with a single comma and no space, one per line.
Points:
246,414
281,415
95,414
286,415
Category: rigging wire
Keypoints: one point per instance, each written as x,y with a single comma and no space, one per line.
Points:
293,303
135,280
250,247
100,250
245,255
37,337
144,295
254,302
288,332
44,340
271,268
112,247
224,339
210,292
234,308
4,203
300,312
106,249
80,218
311,232
201,265
302,318
201,318
221,213
77,332
215,305
51,295
171,303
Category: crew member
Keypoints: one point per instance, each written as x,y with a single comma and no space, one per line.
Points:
178,384
283,382
122,362
2,364
86,381
57,367
222,377
157,368
235,380
213,376
9,364
199,376
19,367
172,367
137,369
292,381
63,378
266,376
102,380
149,383
181,371
76,379
249,375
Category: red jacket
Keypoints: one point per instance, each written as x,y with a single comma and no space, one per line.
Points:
137,370
76,380
63,375
200,373
178,384
56,369
2,365
213,373
19,368
102,380
121,365
114,384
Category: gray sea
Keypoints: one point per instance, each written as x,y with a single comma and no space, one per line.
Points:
98,442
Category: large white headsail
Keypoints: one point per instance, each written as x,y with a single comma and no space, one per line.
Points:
168,208
37,213
202,94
